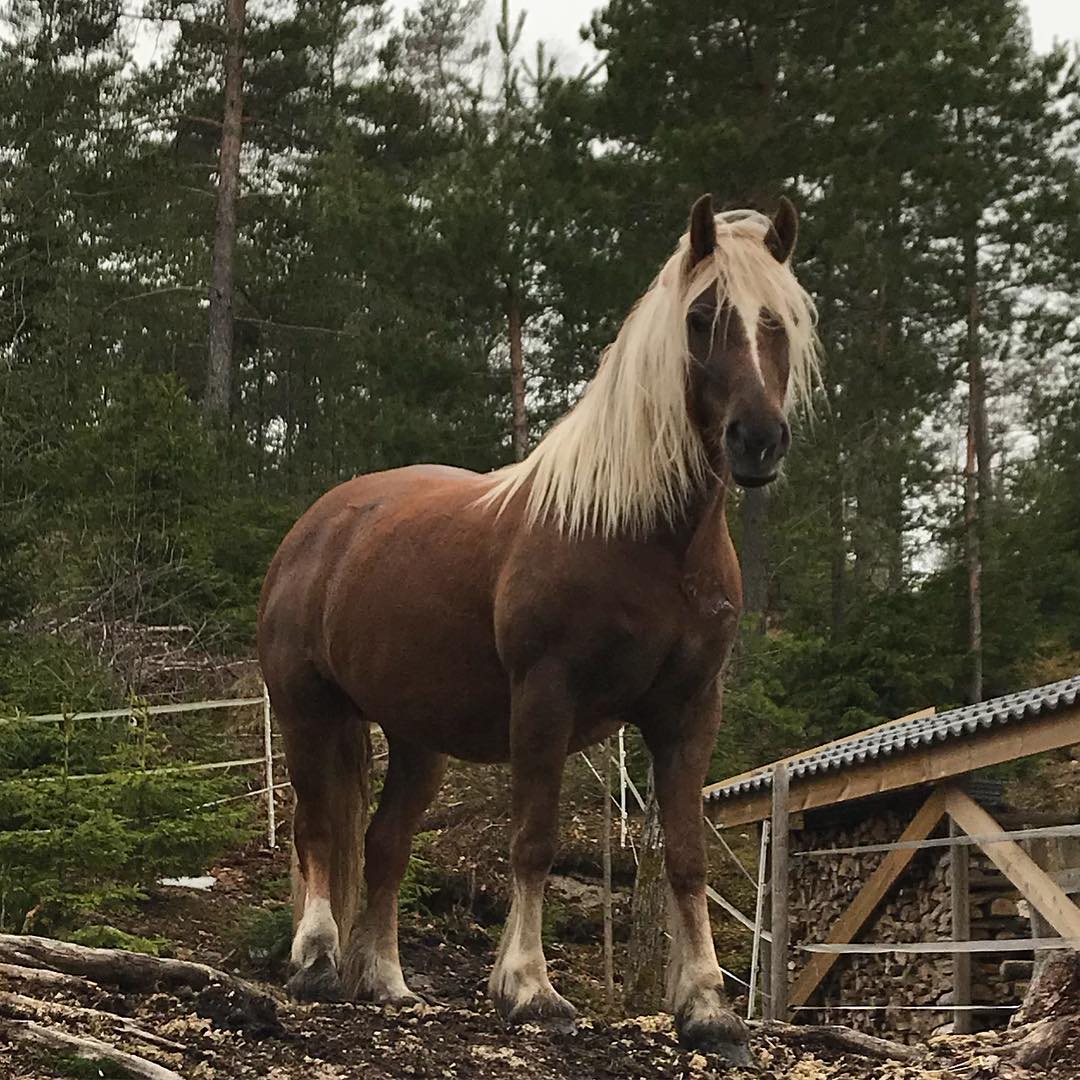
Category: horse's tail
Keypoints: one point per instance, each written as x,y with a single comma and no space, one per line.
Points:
349,790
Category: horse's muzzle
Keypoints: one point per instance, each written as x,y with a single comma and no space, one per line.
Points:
755,447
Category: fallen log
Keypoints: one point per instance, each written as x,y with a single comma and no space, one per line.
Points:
43,977
21,1007
844,1039
26,1031
239,1002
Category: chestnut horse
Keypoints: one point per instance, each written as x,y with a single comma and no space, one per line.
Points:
525,614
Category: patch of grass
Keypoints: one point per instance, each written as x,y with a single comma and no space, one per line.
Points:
82,1068
266,935
419,881
109,937
273,888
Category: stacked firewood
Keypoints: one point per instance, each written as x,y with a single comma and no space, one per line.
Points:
916,909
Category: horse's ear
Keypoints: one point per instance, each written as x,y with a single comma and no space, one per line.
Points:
702,229
781,237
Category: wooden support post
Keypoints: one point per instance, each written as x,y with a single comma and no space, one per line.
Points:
869,896
268,752
963,1019
777,1005
1040,851
1057,856
1037,887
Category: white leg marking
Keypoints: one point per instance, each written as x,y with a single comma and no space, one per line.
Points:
381,977
694,983
519,978
317,934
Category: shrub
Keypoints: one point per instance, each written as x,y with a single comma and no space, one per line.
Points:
88,819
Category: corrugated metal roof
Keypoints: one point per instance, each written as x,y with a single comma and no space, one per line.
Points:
902,735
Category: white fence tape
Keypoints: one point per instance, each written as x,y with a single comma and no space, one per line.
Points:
734,912
161,771
988,946
948,841
906,1008
133,710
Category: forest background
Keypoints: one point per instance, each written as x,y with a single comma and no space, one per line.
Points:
437,230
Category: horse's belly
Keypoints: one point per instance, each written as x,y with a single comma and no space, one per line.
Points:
458,709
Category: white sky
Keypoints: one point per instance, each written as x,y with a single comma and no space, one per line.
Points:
557,23
1054,20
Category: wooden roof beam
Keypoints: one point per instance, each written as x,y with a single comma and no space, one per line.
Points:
928,764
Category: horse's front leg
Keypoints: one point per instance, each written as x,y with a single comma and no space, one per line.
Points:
694,982
541,722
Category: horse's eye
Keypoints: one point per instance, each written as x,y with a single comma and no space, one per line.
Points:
700,320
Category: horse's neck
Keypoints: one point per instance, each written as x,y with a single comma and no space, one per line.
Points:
711,575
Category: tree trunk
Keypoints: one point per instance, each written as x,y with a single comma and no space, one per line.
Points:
977,466
84,1047
974,568
219,373
754,557
976,372
976,472
838,555
517,374
643,983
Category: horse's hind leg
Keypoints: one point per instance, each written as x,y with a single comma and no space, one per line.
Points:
326,745
371,964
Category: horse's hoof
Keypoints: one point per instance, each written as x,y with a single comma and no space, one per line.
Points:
546,1008
715,1036
397,1001
319,981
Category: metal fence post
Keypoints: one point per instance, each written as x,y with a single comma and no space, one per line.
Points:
622,787
268,753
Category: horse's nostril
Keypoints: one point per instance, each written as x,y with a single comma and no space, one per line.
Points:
734,435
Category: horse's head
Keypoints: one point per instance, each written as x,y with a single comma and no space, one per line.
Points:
740,318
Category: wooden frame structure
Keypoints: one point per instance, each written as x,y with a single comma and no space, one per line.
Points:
938,767
923,766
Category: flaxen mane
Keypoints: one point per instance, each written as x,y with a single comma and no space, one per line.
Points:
628,454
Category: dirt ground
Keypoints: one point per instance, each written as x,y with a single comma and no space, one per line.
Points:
461,1037
447,952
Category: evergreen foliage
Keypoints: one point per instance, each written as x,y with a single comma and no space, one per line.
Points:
405,184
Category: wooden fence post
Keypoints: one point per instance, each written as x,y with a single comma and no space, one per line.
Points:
963,1019
268,753
777,1004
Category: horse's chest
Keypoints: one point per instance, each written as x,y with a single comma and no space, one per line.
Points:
694,661
669,657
